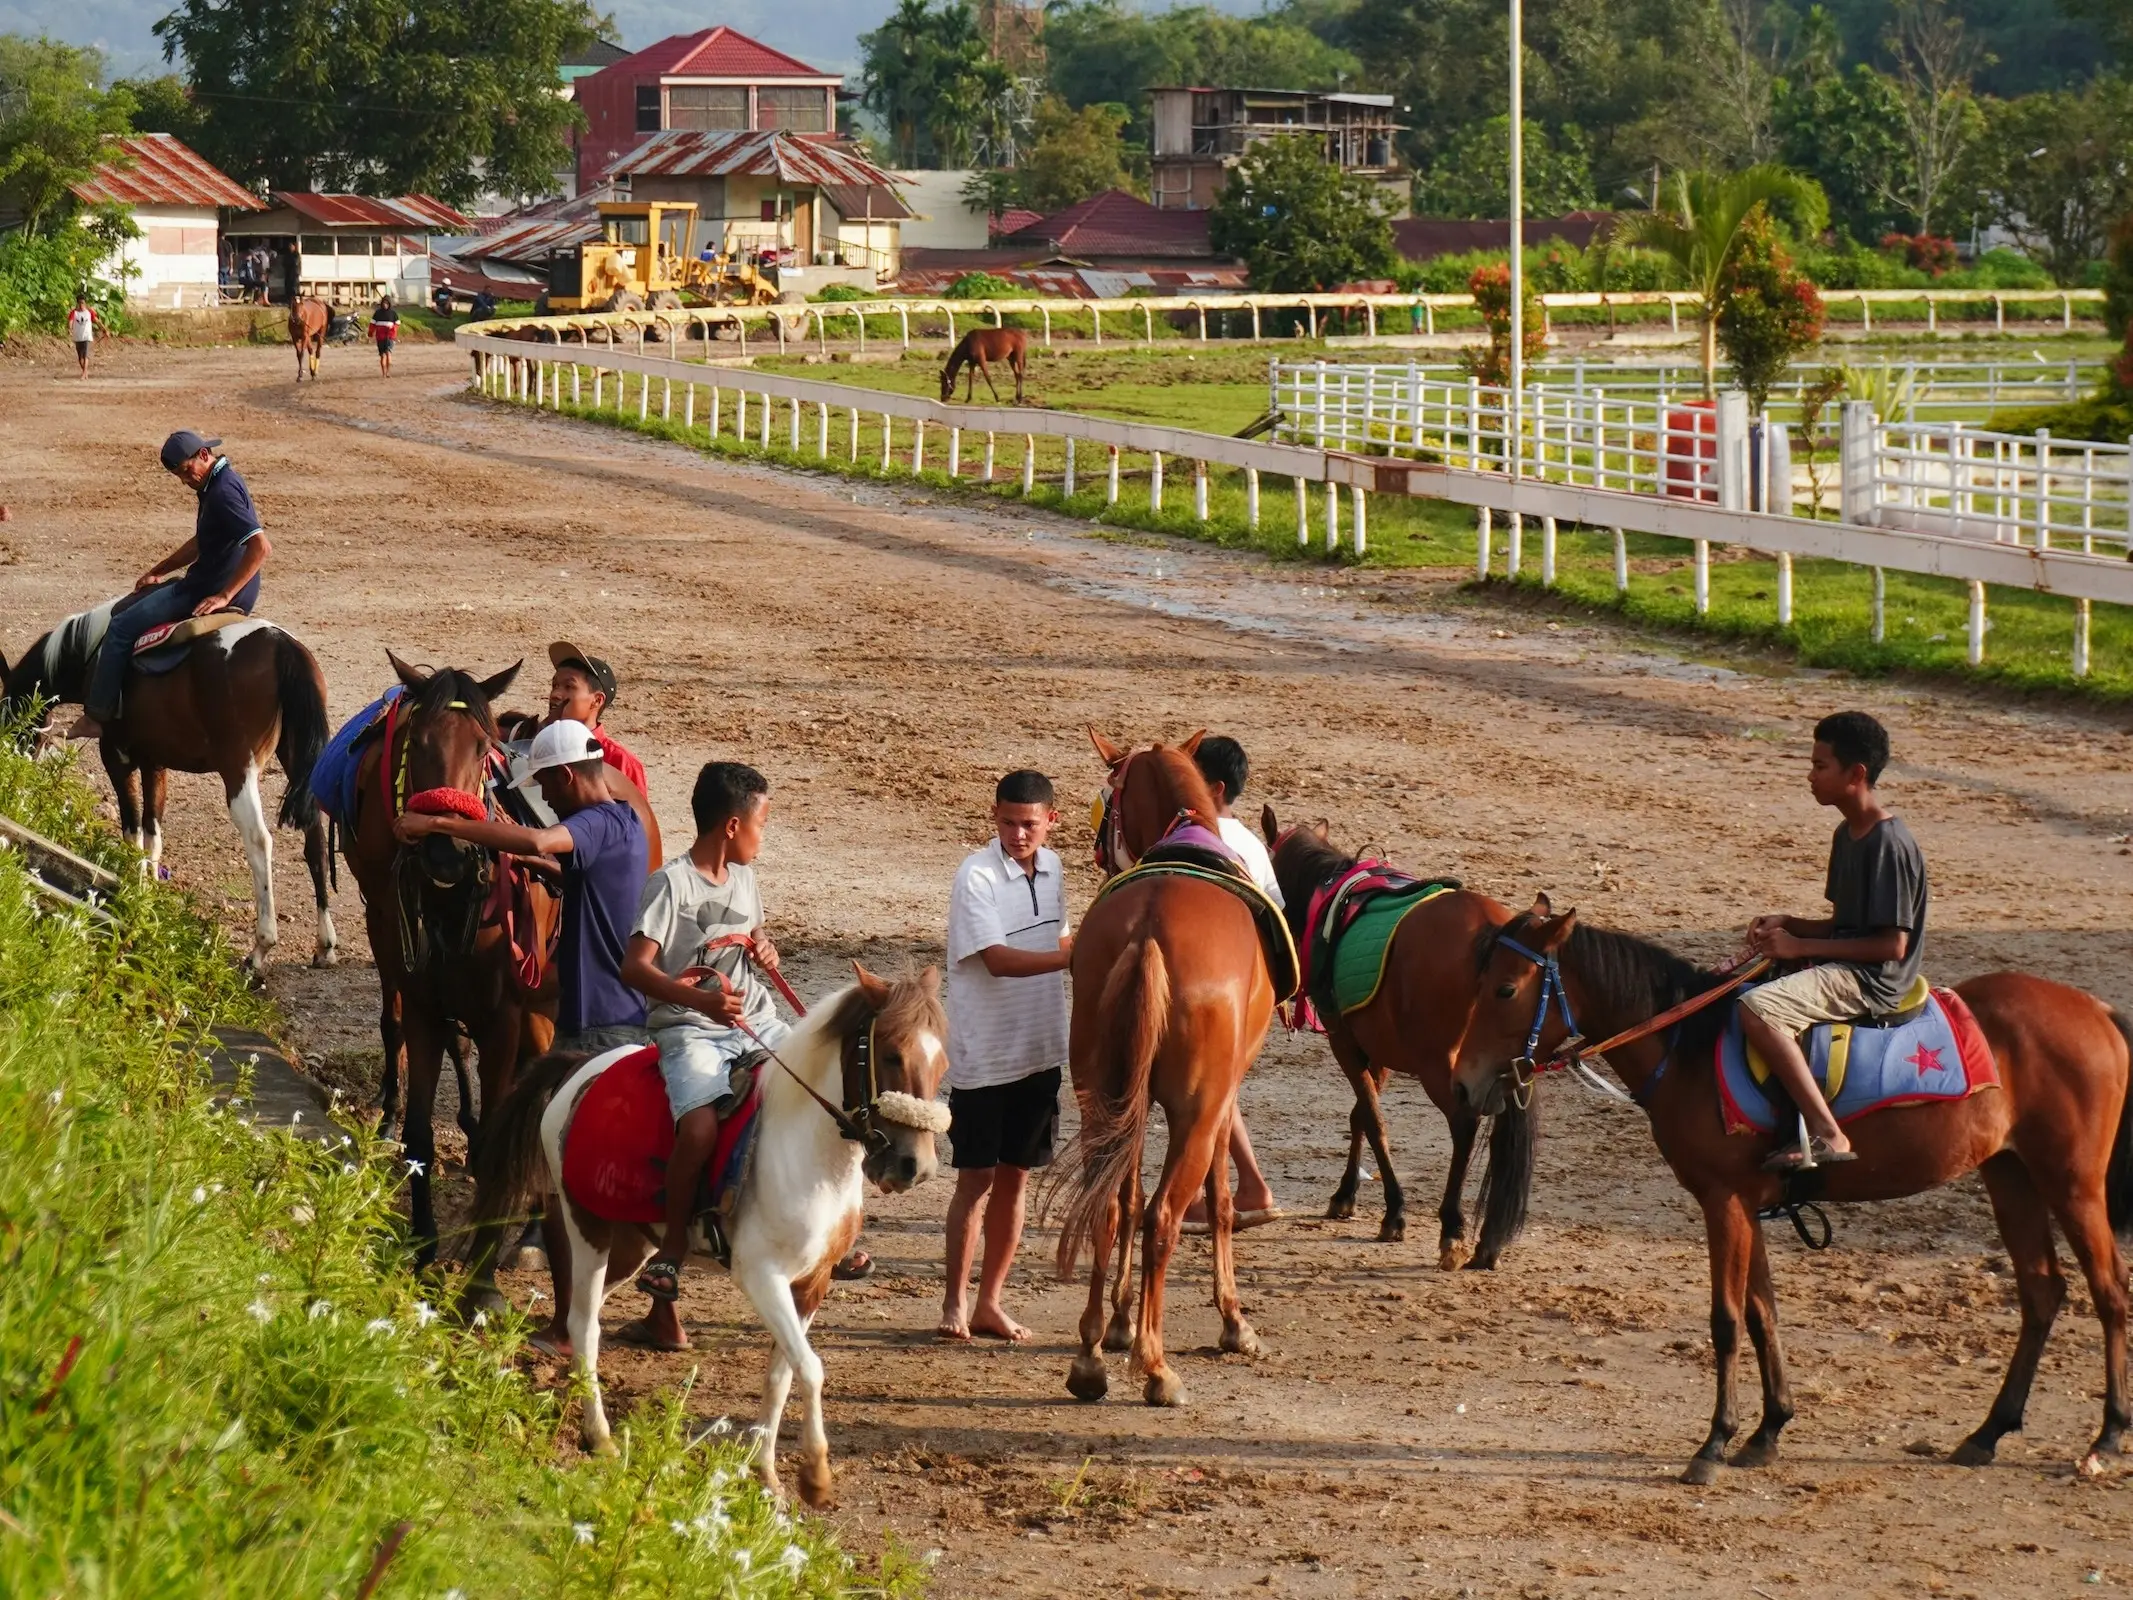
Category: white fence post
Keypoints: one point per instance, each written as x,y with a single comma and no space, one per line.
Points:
1621,561
2081,638
1784,588
711,423
1482,520
1514,545
1878,618
688,408
1358,518
764,409
1067,491
1155,481
855,435
1703,576
988,453
795,446
1975,641
1547,552
1733,450
918,447
1857,496
822,430
1303,514
955,453
1251,494
1199,491
1029,464
1333,517
886,430
1111,488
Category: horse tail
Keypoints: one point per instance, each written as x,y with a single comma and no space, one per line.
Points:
509,1165
2118,1177
1136,1012
1508,1182
302,692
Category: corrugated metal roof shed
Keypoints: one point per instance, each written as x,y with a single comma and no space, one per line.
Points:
678,153
417,213
156,169
527,242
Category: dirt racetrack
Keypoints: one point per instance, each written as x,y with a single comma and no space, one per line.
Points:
883,657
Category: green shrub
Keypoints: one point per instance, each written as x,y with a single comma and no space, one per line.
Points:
844,291
983,286
40,274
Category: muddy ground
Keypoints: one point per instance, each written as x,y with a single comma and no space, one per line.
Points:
883,656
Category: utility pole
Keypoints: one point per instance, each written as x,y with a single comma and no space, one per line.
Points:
1518,238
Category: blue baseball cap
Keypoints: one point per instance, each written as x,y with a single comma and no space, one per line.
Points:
182,446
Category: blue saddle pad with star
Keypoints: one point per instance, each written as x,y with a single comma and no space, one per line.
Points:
333,777
1939,1054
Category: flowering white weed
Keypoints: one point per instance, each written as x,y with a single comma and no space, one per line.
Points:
481,1319
793,1559
199,1195
261,1311
320,1308
582,1531
414,1168
377,1325
301,1215
424,1316
743,1560
59,1094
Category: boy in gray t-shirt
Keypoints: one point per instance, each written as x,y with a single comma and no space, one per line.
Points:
701,997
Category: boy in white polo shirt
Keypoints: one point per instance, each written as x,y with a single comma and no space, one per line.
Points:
1008,948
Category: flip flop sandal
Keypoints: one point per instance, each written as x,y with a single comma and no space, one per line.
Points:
853,1267
1794,1159
661,1280
638,1335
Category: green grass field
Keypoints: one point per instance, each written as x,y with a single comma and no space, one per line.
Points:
1219,390
219,1377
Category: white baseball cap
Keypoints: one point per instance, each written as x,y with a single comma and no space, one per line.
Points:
561,744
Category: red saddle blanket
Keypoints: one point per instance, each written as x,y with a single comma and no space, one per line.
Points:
615,1154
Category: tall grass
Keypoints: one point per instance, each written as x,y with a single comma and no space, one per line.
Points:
218,1376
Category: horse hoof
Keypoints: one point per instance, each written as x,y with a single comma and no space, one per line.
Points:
1341,1208
1241,1341
815,1484
323,959
1972,1452
479,1298
1087,1379
1392,1231
1700,1471
603,1445
1481,1263
1118,1336
529,1258
1756,1453
2089,1466
1452,1255
1164,1389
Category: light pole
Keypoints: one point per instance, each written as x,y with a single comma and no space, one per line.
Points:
1518,235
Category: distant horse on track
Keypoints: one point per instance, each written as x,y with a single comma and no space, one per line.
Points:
244,693
308,320
976,350
1172,998
2053,1142
1412,1026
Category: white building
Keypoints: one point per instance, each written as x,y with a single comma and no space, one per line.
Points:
176,199
346,248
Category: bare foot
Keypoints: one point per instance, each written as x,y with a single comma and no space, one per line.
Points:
993,1323
955,1328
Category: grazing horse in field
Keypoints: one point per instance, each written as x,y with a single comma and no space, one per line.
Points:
243,694
2053,1141
308,320
1412,1026
976,350
847,1099
457,941
1172,997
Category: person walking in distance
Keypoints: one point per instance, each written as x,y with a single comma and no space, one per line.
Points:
1008,948
81,328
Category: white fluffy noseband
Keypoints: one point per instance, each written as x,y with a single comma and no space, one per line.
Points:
929,1116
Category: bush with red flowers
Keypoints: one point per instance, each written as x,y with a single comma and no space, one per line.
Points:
1491,288
1767,313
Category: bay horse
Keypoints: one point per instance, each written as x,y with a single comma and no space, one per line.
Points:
847,1099
976,350
244,694
1413,1026
440,931
1172,998
2053,1143
308,319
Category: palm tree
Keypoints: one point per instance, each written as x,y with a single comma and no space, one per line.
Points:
1699,228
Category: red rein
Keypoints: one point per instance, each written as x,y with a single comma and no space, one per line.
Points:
449,803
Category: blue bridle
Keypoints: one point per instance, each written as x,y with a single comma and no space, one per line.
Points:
1552,989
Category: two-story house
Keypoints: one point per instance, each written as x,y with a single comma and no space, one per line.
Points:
1199,134
716,81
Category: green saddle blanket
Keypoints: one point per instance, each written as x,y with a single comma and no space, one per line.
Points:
1359,956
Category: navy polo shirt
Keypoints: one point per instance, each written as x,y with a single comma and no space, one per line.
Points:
227,519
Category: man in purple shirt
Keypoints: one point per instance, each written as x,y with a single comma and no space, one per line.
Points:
602,848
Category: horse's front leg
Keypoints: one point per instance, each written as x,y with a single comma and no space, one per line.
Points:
418,1140
125,782
769,1290
1762,1446
318,858
588,1287
1729,1229
987,370
246,810
155,795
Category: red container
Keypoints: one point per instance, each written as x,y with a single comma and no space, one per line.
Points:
1688,451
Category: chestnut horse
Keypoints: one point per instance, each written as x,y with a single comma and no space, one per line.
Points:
2054,1142
1412,1026
1172,998
308,319
244,694
976,350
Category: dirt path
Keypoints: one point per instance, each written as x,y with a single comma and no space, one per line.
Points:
883,657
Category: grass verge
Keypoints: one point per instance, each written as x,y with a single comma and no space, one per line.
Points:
218,1377
2029,635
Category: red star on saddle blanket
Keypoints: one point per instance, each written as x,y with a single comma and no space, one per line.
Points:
1926,1060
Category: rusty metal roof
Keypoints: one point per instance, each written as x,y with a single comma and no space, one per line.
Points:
417,213
155,169
532,240
678,153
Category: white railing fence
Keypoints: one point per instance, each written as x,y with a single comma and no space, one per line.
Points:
1621,466
1967,483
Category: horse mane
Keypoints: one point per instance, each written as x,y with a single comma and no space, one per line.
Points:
1188,788
1632,977
436,694
910,1009
1302,862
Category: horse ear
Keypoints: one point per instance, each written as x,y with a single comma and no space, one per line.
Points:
1269,824
407,675
875,989
930,981
1558,930
1110,753
496,687
1193,743
1323,827
1542,906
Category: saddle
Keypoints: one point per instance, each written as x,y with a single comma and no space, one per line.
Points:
622,1136
184,631
70,648
1348,932
1191,851
1932,1049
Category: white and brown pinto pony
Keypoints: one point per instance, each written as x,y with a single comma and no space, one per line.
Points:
851,1103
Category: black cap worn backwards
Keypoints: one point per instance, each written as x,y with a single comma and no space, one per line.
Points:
182,446
565,654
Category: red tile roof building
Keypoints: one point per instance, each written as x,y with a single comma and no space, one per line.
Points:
155,169
716,81
1115,223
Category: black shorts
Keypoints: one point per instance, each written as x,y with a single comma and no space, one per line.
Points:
1005,1124
81,349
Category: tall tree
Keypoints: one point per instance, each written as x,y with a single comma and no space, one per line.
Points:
54,118
925,73
1472,175
1705,223
1299,223
1937,113
2052,171
1076,154
444,97
1846,131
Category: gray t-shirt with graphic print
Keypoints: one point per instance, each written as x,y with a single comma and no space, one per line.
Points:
682,910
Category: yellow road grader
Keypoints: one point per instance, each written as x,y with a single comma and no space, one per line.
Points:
646,257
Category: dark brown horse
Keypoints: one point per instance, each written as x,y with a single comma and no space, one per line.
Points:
308,320
1412,1026
1172,998
977,350
439,934
244,694
2054,1143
